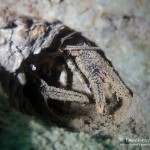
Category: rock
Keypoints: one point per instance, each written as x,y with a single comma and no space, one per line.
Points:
123,34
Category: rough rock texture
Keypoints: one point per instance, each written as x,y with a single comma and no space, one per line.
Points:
122,33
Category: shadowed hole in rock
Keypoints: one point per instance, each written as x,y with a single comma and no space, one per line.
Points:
69,114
